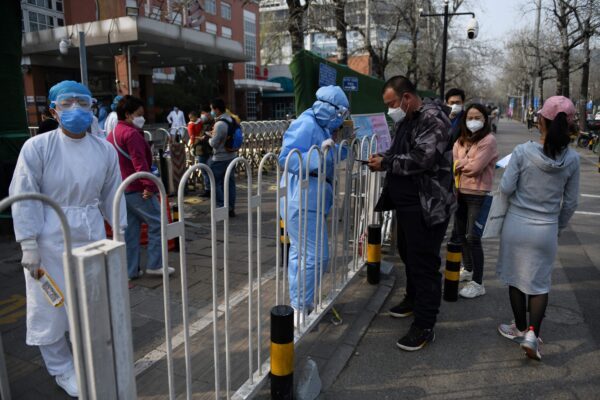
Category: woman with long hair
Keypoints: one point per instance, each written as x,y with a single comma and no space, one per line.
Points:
475,154
541,182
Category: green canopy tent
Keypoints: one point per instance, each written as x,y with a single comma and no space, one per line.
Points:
309,72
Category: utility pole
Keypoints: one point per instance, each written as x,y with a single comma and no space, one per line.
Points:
446,16
538,64
83,59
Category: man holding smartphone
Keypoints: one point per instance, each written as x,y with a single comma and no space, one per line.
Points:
419,186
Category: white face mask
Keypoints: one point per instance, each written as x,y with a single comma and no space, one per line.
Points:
456,108
397,114
139,122
474,125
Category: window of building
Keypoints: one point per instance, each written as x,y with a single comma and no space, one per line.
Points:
251,106
226,32
226,11
41,14
39,22
211,28
59,5
210,6
250,70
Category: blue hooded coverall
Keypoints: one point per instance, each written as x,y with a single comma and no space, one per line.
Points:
313,127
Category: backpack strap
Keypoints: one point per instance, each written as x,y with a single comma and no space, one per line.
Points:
119,149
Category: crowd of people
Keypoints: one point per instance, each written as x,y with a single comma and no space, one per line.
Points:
440,167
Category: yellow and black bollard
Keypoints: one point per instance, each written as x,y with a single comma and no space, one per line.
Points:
175,217
452,272
282,352
373,253
284,241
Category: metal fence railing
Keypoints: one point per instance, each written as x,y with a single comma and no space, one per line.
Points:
339,231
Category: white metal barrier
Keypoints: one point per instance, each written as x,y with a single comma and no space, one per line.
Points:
352,188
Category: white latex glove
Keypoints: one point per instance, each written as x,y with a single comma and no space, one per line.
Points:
31,257
327,142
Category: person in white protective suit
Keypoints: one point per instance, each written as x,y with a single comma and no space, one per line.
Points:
81,173
314,127
112,119
177,120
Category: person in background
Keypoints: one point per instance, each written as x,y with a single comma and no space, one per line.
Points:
199,144
420,187
530,115
48,122
455,99
81,173
103,112
112,119
221,157
315,126
541,182
94,128
475,154
176,119
142,204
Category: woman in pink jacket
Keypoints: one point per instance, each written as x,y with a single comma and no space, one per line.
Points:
475,155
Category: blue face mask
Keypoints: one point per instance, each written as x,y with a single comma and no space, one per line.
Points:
204,118
76,120
213,114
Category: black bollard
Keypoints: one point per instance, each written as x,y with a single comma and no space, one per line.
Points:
373,253
282,353
452,272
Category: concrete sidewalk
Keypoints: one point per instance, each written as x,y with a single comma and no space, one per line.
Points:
469,359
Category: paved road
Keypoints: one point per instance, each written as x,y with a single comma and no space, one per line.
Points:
470,359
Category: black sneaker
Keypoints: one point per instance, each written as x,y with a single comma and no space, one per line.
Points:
402,310
416,339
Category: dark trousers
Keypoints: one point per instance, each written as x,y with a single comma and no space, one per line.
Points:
419,247
469,206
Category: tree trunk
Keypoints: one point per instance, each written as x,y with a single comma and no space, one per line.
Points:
562,81
585,80
340,31
296,25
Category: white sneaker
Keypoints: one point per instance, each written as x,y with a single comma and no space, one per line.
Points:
68,382
159,271
465,275
511,332
472,290
531,345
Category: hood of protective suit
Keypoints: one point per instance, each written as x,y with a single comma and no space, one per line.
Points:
66,87
326,113
535,152
116,100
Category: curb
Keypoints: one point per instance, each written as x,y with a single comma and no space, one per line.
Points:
354,334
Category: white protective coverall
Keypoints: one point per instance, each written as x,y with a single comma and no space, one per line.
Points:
82,176
313,127
111,122
177,120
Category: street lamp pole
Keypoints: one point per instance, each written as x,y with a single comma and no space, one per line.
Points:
446,16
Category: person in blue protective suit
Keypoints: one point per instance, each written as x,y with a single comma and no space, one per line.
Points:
315,126
81,173
111,121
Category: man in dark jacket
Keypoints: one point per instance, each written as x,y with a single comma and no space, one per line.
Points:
455,99
419,186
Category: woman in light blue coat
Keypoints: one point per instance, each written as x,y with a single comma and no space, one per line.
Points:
314,127
542,184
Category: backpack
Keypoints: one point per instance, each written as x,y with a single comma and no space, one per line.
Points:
235,138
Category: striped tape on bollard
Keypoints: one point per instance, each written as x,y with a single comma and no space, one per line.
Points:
284,240
452,272
282,352
373,253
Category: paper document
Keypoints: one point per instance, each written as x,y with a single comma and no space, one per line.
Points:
502,163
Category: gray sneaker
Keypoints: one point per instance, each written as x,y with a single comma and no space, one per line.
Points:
511,332
531,345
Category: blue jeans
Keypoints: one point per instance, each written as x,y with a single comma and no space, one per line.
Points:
140,210
204,160
219,168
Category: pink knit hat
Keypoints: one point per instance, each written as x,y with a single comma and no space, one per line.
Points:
557,104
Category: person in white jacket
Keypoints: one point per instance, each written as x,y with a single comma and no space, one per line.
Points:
81,173
111,120
177,120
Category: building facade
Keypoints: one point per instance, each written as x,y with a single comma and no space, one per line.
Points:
130,44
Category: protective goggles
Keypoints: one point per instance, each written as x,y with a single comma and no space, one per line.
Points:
67,101
342,112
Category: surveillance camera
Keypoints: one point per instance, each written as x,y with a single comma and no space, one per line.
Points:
63,47
472,28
